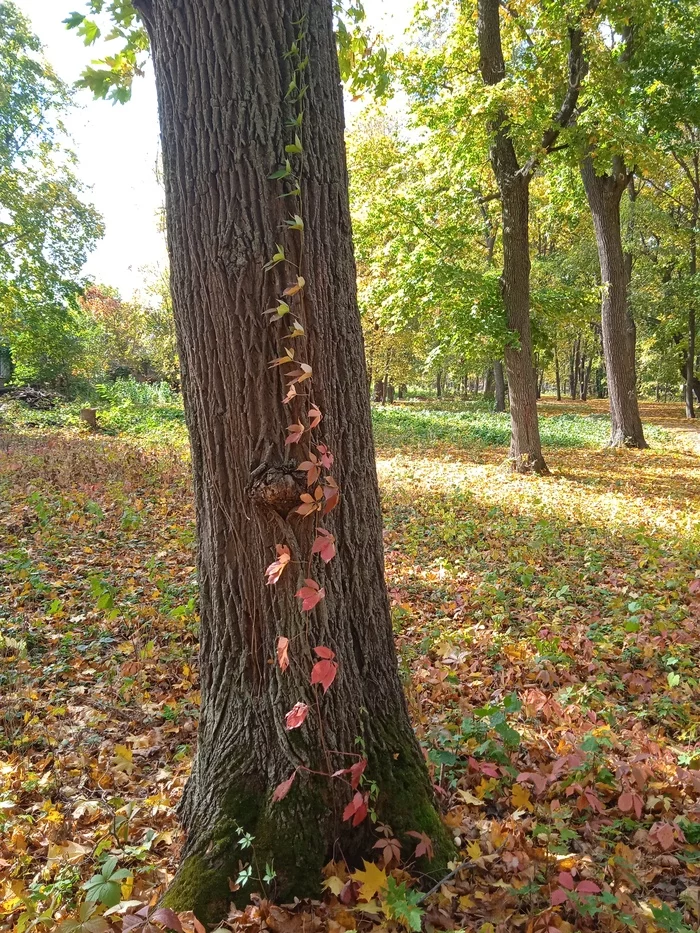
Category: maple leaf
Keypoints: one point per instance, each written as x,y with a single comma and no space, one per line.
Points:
324,545
277,567
323,672
520,798
296,716
425,844
283,789
283,652
310,595
372,880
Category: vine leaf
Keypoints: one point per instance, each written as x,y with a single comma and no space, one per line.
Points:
279,256
312,468
290,394
331,494
315,416
281,360
295,433
311,595
326,456
324,545
296,716
297,287
283,789
323,673
281,309
309,503
283,652
277,567
356,811
297,330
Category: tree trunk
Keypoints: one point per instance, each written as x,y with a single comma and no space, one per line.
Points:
514,187
438,384
690,358
222,72
557,374
604,193
573,369
489,384
499,387
586,380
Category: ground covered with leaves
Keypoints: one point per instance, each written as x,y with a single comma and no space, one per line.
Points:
548,632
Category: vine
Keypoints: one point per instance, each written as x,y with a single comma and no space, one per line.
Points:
322,491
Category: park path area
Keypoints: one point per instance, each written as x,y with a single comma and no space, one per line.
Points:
548,631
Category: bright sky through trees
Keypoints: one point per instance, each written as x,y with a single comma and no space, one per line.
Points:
118,146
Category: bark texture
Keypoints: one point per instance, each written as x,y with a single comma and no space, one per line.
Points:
499,403
604,193
222,76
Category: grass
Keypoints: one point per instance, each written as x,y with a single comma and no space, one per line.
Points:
546,627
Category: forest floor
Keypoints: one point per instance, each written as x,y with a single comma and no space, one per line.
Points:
548,632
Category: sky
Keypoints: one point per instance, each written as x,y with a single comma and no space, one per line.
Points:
117,145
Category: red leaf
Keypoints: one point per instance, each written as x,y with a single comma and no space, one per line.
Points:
531,777
694,586
310,595
295,432
323,652
315,416
323,672
168,918
425,844
559,896
326,456
283,789
356,810
331,494
324,545
587,887
283,652
276,568
566,880
296,716
356,772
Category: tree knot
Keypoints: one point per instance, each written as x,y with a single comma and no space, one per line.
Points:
277,487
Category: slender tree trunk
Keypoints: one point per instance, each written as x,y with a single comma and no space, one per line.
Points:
604,193
690,358
499,403
573,368
222,72
489,384
514,187
557,374
586,380
438,384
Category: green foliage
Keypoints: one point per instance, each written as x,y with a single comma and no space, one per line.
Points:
46,230
105,887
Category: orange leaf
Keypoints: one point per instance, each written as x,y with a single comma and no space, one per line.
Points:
323,672
283,652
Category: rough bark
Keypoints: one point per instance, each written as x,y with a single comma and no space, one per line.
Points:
499,403
514,188
690,379
222,73
604,193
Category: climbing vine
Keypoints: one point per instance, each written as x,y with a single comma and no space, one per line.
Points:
322,492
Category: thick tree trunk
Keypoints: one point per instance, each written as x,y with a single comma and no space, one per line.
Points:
499,403
489,384
604,193
222,72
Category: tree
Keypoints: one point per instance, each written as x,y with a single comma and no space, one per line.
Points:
46,230
230,78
